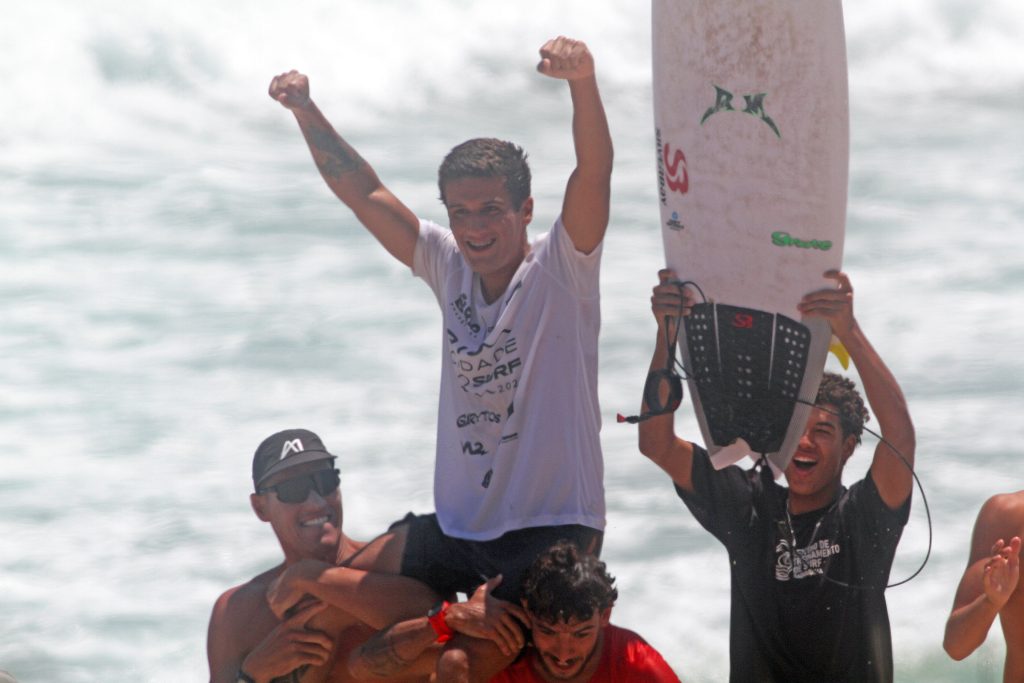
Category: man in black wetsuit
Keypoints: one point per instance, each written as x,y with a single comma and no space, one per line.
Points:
809,562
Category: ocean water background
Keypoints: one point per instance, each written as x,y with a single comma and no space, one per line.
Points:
177,283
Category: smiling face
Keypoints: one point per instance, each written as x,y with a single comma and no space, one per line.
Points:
568,651
815,472
488,228
310,529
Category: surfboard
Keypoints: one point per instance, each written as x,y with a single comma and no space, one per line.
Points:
752,131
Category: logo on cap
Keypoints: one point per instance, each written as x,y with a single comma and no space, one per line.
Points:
293,446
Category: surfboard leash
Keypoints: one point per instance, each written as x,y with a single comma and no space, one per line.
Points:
668,375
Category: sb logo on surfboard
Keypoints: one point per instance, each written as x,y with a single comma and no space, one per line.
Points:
672,173
743,321
676,177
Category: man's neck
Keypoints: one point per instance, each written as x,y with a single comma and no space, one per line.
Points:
798,505
493,285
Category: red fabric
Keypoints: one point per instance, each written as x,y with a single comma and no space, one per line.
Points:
625,657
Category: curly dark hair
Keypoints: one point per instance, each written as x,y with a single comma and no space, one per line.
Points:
564,583
842,393
487,158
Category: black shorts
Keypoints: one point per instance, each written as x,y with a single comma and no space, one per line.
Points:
455,565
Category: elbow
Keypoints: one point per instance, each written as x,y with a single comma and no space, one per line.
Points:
956,648
644,442
904,443
954,653
652,446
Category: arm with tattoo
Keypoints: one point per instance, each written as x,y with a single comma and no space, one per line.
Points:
346,173
394,650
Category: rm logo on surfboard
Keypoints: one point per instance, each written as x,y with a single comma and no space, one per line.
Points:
753,105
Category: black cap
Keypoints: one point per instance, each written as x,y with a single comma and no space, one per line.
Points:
286,449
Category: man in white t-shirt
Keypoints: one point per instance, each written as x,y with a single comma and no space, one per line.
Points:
519,462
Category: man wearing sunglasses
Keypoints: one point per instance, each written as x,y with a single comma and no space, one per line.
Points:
297,492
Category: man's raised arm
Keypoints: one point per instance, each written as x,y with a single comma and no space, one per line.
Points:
658,440
588,192
891,474
349,176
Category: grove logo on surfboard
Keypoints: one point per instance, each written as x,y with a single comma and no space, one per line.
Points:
784,239
753,105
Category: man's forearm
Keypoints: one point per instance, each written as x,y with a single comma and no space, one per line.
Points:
373,598
356,184
393,650
592,139
585,210
968,626
881,389
343,169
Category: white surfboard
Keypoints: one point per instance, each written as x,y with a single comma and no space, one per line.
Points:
752,128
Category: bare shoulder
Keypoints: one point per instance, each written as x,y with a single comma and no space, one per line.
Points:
1003,513
1000,517
238,609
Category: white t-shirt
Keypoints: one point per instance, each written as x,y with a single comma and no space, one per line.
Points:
518,422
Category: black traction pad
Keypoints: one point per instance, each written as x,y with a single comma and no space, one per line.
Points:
748,366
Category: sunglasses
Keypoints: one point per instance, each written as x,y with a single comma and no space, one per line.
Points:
297,489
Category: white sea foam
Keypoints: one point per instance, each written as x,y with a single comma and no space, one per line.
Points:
178,283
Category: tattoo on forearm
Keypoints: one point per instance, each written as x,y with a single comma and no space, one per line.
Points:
336,157
381,656
293,677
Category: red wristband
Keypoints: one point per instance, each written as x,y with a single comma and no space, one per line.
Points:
436,618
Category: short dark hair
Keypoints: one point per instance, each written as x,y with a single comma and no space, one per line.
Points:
565,583
842,393
487,158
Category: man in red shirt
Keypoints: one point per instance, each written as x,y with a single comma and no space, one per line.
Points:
568,598
567,603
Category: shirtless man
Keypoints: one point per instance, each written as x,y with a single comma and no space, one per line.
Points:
297,493
990,585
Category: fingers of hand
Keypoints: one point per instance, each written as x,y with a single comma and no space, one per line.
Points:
314,646
505,633
511,635
288,647
667,300
842,281
306,611
689,299
518,613
563,55
290,88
